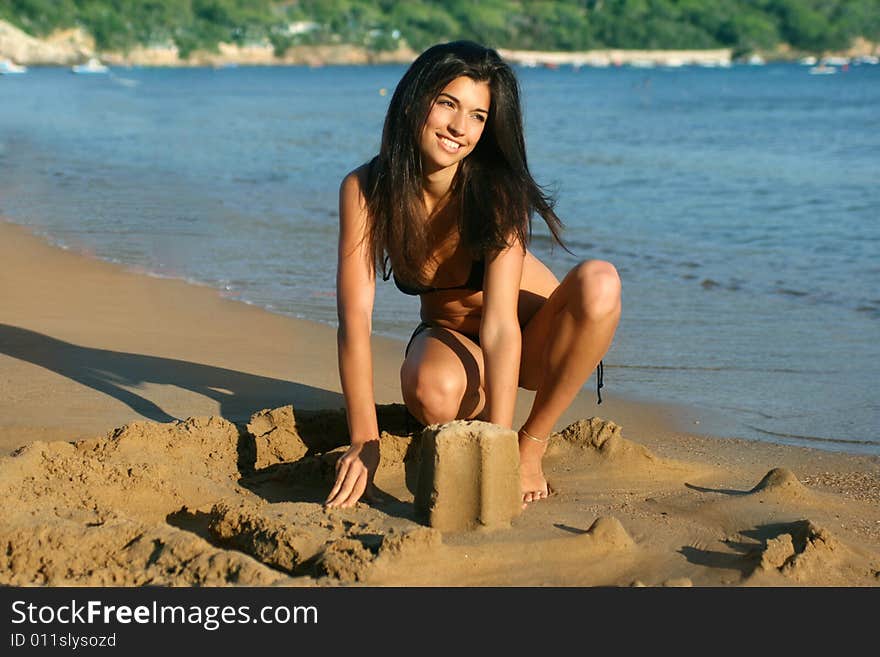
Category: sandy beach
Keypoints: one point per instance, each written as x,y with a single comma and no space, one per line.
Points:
154,432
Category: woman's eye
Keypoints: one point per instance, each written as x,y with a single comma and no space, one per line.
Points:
479,117
447,103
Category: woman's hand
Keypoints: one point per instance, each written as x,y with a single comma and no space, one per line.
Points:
354,475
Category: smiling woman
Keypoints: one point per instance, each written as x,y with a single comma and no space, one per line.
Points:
455,123
449,198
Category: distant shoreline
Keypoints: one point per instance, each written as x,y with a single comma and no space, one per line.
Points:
74,46
620,57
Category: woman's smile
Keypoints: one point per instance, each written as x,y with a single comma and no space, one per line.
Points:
448,144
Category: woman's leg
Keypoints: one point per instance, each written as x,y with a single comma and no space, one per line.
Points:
563,343
441,376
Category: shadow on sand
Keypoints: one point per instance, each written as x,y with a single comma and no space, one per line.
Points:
115,373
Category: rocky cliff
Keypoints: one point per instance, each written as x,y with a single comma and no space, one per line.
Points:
61,48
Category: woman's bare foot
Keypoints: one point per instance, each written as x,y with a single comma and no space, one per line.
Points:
531,475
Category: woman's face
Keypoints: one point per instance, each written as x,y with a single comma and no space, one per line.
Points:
454,124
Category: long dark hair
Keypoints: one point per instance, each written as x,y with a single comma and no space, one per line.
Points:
493,191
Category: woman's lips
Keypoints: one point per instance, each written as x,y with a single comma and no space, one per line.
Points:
448,145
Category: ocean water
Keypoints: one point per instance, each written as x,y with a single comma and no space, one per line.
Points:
741,207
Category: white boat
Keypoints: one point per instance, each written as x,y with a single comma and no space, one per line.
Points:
91,66
809,60
823,69
721,63
835,61
8,67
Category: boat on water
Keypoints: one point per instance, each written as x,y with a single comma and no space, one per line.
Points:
9,67
835,61
91,66
823,69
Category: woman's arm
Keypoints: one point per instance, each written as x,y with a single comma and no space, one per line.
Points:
355,292
500,335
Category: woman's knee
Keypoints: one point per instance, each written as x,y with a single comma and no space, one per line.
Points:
596,293
432,397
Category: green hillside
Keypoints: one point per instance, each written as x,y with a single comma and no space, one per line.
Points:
805,25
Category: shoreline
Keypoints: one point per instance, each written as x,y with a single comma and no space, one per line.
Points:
30,255
679,416
673,417
75,45
311,349
145,375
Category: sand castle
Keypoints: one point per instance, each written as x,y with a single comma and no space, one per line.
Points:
208,502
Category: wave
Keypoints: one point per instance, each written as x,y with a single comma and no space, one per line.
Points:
697,368
821,439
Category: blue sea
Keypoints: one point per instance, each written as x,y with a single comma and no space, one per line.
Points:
740,205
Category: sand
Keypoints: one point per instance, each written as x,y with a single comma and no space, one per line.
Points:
154,432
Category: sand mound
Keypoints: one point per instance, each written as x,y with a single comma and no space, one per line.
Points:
411,543
304,540
805,546
94,512
276,438
395,450
346,560
606,532
802,551
280,435
144,469
267,536
211,443
182,504
781,481
602,437
119,552
353,560
605,535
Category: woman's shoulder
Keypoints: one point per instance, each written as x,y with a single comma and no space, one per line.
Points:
353,194
355,181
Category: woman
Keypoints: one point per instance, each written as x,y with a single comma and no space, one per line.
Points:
448,199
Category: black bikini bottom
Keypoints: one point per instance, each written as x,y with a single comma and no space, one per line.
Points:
421,327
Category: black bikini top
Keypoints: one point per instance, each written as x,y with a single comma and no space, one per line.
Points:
474,281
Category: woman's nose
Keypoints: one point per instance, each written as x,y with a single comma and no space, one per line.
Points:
455,126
